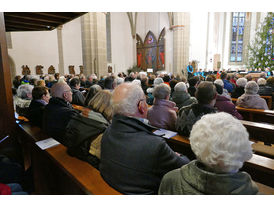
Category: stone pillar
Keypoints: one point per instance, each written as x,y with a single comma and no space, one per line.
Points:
181,40
60,50
94,51
223,42
207,39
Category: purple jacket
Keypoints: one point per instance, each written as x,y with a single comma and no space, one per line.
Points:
223,104
163,114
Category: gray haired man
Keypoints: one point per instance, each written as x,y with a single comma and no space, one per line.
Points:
133,159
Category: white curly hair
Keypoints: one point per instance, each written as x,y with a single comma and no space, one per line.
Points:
241,82
261,81
219,82
180,87
24,91
220,142
251,87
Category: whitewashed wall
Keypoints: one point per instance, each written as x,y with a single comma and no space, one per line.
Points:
122,43
34,48
72,45
41,48
198,32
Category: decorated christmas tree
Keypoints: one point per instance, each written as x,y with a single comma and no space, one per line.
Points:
261,53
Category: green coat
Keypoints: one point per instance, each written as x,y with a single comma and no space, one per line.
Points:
191,179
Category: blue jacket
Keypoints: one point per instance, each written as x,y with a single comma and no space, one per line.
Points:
228,86
189,69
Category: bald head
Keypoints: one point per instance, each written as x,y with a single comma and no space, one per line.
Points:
61,90
126,98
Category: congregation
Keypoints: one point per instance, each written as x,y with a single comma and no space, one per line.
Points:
116,134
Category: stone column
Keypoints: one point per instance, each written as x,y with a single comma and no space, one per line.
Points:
60,50
181,39
223,42
94,51
207,39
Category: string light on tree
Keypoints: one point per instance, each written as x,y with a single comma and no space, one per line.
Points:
261,50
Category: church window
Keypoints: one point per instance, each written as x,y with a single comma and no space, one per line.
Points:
236,49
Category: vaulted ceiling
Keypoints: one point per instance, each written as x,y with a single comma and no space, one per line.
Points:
37,21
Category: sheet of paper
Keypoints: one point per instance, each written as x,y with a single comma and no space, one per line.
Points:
47,143
165,133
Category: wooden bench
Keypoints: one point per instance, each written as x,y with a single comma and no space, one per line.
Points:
257,132
55,172
267,98
257,115
260,131
260,168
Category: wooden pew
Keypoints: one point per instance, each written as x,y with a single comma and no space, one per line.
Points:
70,179
260,131
257,132
257,115
267,98
260,168
55,172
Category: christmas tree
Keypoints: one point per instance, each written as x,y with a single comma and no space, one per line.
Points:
261,54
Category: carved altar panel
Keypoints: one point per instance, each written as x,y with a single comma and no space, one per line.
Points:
161,50
151,53
51,70
39,69
71,69
25,70
140,52
81,69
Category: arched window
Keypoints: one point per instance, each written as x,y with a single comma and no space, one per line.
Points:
238,26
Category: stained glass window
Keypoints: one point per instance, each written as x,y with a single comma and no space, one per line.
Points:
237,40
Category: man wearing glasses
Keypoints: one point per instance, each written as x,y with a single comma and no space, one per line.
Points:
133,159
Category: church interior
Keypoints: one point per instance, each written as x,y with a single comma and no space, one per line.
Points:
155,56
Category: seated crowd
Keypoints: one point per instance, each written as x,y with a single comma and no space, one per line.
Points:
115,132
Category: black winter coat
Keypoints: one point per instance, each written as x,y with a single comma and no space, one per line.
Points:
56,117
239,91
35,113
265,90
81,131
133,159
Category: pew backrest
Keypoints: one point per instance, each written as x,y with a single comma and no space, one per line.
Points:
86,177
256,115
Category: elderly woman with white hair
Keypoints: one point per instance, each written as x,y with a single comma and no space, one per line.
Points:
251,99
163,112
150,97
221,145
23,99
264,90
181,97
225,92
240,88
